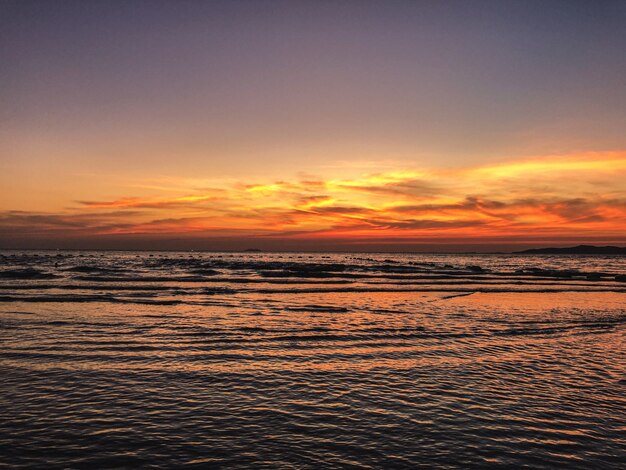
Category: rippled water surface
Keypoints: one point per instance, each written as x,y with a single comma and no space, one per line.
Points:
212,360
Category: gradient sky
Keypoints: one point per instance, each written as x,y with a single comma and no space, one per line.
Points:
422,125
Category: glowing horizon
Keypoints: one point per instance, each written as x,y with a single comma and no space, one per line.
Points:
573,197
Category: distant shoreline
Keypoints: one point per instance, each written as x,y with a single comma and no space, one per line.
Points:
575,250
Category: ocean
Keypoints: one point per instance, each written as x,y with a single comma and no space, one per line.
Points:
311,360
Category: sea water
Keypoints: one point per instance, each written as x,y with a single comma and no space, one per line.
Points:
301,360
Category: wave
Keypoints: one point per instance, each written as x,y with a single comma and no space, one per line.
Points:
181,278
26,273
181,296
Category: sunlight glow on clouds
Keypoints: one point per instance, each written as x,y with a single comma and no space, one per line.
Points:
565,196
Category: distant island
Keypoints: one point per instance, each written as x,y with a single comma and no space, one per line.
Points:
576,250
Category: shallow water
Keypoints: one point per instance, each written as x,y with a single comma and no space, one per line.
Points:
302,360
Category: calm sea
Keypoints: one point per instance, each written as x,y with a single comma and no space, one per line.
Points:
308,361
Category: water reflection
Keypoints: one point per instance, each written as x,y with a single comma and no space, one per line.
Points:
245,378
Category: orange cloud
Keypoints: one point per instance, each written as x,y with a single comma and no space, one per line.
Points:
563,196
137,202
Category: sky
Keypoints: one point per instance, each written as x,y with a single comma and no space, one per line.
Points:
312,125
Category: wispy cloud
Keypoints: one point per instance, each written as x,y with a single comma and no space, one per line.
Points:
578,195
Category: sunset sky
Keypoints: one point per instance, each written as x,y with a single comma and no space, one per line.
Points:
320,125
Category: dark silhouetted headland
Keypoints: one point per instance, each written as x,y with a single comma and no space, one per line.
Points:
577,250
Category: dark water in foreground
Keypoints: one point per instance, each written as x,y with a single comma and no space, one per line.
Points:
311,361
